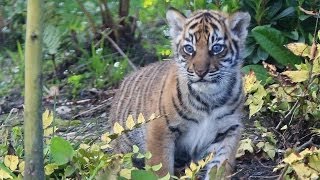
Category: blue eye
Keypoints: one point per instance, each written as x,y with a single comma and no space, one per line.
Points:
217,48
188,49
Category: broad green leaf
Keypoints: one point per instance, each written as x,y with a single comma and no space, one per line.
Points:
260,72
297,76
143,175
61,150
11,161
271,40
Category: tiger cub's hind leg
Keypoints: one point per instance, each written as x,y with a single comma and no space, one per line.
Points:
160,142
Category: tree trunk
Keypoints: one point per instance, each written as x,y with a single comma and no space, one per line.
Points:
124,8
33,131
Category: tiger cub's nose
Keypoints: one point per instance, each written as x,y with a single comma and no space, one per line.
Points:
201,72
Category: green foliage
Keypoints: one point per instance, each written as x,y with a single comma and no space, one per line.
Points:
271,40
61,150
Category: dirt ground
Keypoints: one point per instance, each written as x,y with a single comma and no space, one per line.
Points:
84,119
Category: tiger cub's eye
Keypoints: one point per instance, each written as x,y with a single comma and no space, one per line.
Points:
188,49
217,48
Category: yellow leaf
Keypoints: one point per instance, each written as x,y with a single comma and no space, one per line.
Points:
166,177
293,157
303,171
249,82
4,175
130,122
188,172
49,168
245,145
126,173
84,146
299,49
47,119
11,161
105,137
106,146
49,131
316,66
297,76
21,166
141,119
201,163
193,166
284,127
117,128
152,117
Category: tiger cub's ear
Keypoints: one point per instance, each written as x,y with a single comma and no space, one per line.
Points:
238,24
176,21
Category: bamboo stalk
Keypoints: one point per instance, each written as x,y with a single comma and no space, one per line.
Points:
33,132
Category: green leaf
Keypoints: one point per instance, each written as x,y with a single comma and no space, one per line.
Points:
271,40
143,175
61,150
6,172
260,72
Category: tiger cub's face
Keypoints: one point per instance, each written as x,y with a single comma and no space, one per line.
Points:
207,45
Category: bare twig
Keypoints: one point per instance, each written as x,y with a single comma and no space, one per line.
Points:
264,177
313,13
90,19
115,45
287,115
304,145
106,103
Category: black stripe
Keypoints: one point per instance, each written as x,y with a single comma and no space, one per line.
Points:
227,94
194,94
221,136
232,111
161,92
202,108
181,114
193,25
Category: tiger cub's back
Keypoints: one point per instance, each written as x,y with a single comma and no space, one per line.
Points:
140,92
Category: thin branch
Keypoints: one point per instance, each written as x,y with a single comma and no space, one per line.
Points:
287,115
304,145
90,19
115,45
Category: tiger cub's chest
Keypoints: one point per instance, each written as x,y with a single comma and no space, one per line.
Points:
198,139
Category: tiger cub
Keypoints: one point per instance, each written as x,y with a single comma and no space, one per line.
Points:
198,96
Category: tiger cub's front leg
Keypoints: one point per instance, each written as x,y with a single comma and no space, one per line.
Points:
160,142
224,149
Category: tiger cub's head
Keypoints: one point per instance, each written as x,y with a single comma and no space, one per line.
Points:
207,45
